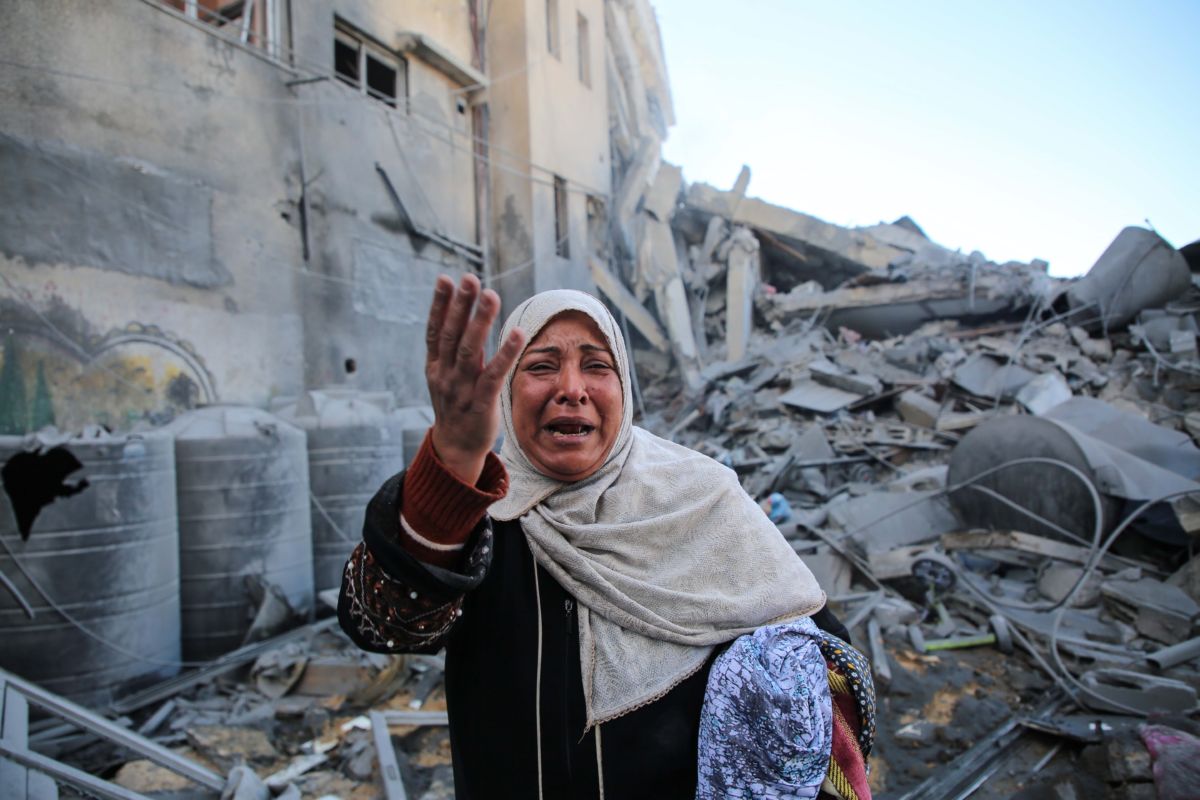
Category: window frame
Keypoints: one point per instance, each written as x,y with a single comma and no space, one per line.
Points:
367,50
562,218
553,30
583,48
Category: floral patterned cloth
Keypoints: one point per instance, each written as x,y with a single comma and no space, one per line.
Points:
766,727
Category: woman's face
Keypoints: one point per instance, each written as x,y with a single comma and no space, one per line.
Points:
567,398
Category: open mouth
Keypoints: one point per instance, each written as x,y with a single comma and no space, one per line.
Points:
567,430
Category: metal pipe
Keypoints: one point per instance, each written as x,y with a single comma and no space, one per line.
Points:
1175,654
68,774
90,721
389,769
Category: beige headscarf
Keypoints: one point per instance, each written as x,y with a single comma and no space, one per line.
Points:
664,551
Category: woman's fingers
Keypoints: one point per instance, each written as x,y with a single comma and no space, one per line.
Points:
443,290
469,356
491,380
460,320
456,319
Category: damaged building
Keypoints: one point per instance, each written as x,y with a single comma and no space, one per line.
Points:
220,224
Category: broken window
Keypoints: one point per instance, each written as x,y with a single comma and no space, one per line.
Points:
552,42
368,67
585,53
597,227
561,236
252,22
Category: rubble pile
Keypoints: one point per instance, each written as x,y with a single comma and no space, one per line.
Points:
993,474
968,454
310,716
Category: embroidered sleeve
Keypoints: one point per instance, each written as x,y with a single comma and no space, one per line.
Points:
393,602
385,613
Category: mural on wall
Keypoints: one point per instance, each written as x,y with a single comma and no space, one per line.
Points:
53,371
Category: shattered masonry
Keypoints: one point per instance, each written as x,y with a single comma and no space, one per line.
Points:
993,473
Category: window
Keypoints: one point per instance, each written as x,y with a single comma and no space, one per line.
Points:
585,53
597,227
552,43
561,235
252,22
368,67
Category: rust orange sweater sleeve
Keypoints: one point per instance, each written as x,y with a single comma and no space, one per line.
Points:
439,511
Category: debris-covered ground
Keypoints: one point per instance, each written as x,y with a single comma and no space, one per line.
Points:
992,473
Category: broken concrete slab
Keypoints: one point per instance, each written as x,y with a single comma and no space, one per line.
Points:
1156,326
299,765
722,370
917,408
889,309
1158,610
637,179
881,521
225,745
832,571
145,777
628,305
244,784
741,279
987,377
324,676
828,373
1120,690
673,306
1099,349
1044,392
859,247
1187,578
1040,549
1057,580
961,421
809,395
663,195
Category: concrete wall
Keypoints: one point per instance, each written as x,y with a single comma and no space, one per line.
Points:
371,302
546,122
153,209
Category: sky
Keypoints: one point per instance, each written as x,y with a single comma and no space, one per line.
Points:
1020,129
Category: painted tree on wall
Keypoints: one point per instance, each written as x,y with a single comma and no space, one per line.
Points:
42,413
14,414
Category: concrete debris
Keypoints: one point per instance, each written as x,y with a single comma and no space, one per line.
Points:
249,727
1044,392
988,377
244,784
919,409
973,452
973,458
810,395
1121,690
1158,610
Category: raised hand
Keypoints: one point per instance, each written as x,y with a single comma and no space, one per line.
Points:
464,391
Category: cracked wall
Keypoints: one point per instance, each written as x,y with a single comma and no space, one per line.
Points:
178,225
